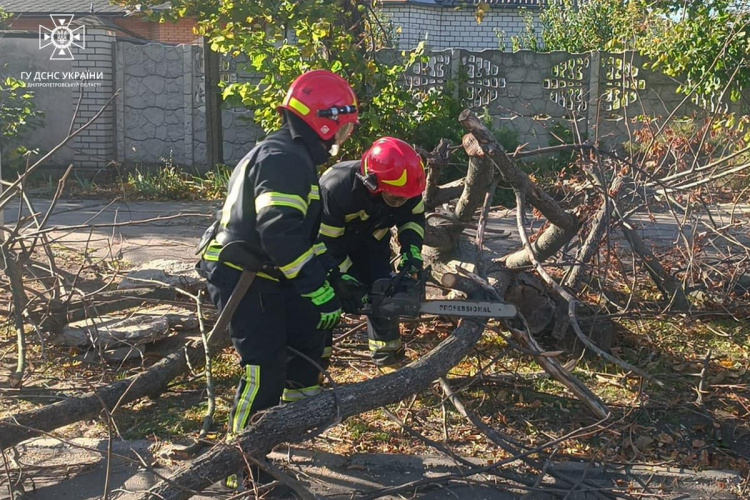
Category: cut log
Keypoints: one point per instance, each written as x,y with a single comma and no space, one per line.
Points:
60,314
109,331
132,329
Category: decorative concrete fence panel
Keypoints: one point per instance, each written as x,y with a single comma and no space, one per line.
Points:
155,105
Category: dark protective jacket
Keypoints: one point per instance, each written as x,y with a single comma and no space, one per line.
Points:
351,211
273,204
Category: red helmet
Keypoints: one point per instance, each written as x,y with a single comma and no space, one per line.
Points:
325,101
392,166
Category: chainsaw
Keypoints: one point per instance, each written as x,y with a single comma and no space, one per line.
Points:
404,297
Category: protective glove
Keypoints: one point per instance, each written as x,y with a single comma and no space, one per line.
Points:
328,305
349,290
411,260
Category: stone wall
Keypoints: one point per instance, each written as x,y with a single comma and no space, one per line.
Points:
162,110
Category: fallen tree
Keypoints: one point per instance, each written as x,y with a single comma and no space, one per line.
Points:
452,254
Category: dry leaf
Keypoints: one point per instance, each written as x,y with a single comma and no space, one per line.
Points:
665,438
643,442
698,443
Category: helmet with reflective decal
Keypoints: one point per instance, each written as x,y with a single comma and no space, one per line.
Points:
393,167
325,102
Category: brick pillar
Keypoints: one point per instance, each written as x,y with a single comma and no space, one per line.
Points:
95,146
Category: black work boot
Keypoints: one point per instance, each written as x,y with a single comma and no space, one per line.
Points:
392,360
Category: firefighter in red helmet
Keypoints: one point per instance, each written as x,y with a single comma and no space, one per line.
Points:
362,200
273,206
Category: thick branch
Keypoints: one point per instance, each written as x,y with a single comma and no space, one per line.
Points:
478,180
294,422
291,423
563,225
13,271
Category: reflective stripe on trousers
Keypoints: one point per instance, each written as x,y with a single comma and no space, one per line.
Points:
292,395
249,386
384,346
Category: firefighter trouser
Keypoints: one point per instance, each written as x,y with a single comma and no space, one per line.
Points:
370,261
270,317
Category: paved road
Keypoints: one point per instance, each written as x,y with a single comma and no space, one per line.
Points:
176,238
172,238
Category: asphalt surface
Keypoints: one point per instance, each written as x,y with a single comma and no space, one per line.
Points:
146,231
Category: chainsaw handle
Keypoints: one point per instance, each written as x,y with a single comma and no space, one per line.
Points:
395,282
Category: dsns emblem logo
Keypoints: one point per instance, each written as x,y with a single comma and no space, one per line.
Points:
62,37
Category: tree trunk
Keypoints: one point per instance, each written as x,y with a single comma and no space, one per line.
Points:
478,180
563,225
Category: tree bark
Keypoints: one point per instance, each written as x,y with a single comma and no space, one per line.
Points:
563,225
478,180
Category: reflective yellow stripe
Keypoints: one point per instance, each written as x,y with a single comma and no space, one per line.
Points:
345,265
401,181
292,395
234,194
327,352
380,233
359,215
211,254
319,248
245,404
267,276
292,269
297,105
382,346
314,194
331,231
414,227
273,199
419,209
